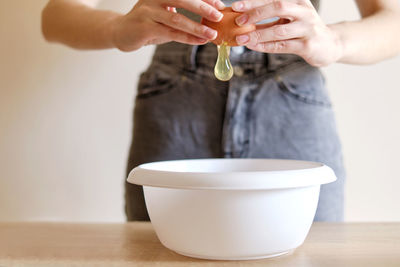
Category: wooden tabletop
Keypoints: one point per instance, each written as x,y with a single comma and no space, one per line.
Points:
135,244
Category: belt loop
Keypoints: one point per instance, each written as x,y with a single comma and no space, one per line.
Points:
266,60
190,61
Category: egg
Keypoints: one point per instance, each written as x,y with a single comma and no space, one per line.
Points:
227,28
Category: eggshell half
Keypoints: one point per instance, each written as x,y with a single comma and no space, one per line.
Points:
227,28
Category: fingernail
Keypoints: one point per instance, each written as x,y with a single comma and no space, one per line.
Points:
238,6
242,19
211,34
217,15
242,39
220,5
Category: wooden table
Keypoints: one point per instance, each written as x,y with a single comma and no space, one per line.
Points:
135,244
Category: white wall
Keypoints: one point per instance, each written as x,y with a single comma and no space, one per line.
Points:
65,121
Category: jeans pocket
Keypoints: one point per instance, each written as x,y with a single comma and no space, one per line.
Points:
155,81
304,83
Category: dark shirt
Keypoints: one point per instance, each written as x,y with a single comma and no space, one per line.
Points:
196,17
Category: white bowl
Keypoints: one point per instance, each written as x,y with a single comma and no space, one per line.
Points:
232,209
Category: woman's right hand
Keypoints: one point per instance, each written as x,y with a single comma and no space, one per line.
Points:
157,22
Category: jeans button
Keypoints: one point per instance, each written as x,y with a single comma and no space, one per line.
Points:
238,71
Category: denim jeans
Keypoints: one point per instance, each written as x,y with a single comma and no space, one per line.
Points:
275,106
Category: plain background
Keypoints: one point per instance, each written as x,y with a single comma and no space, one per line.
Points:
65,123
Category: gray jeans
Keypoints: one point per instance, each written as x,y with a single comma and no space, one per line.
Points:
275,106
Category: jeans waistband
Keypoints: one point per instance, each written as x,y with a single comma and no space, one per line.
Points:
195,57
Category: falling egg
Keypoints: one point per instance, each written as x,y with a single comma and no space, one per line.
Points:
227,28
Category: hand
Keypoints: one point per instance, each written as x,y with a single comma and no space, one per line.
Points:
299,31
156,22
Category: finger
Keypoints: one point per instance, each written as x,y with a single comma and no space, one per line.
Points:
183,37
216,3
293,46
182,23
282,9
276,33
199,7
163,34
242,6
247,5
269,23
307,3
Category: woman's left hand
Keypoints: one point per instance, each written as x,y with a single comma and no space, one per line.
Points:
299,30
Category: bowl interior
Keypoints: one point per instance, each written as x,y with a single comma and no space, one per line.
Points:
230,165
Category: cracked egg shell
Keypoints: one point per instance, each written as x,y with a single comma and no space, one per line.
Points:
227,28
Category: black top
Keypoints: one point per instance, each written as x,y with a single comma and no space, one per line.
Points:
229,2
196,17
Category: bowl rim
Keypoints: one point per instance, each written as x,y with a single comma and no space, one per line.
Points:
145,175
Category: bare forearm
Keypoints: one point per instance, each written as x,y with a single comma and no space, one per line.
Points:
371,39
78,25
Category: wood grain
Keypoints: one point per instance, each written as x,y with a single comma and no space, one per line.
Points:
135,244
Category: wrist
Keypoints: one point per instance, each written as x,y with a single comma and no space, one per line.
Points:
339,41
121,36
111,30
